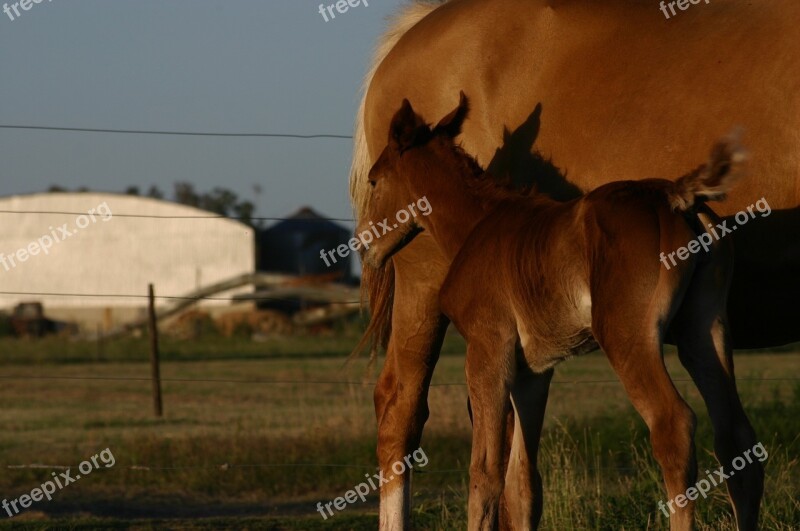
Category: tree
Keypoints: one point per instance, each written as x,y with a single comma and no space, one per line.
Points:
155,192
184,194
219,200
244,212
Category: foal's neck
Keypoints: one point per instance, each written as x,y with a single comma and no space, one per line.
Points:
458,203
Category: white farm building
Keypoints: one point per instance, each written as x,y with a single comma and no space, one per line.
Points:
88,257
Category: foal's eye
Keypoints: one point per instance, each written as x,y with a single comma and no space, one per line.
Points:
372,183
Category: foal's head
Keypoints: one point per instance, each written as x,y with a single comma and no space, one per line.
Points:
421,166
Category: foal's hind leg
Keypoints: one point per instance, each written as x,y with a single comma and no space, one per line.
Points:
633,347
700,331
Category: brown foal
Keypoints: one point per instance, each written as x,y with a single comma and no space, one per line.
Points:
564,278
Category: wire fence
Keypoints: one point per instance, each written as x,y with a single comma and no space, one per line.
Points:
254,297
366,383
239,381
262,381
155,216
230,466
250,297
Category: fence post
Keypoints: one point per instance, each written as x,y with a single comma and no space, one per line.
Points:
154,362
100,333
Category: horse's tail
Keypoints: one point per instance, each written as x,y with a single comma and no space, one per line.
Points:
711,181
377,285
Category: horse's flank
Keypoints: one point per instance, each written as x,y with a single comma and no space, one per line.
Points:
624,93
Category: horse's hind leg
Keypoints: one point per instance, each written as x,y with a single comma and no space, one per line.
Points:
523,490
401,393
700,331
633,347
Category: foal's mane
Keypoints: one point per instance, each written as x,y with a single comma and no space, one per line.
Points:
481,184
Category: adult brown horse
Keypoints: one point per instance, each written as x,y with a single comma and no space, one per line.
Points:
623,91
565,277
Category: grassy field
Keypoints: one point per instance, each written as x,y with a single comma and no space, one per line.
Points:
255,434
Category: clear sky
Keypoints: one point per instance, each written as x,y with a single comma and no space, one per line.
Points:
236,66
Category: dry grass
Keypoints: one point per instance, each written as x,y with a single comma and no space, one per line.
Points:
596,463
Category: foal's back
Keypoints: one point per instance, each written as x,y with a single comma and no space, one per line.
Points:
533,266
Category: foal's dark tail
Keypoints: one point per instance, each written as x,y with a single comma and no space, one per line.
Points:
713,180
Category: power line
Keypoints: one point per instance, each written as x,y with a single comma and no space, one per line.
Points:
175,133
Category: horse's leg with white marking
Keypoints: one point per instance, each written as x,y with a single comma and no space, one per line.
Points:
489,368
639,364
523,491
401,407
401,393
701,333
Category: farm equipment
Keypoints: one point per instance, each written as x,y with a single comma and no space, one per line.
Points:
28,320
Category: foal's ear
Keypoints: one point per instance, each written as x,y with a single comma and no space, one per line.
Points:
407,129
451,124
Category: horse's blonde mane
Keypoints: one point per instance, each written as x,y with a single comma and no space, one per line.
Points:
377,285
398,24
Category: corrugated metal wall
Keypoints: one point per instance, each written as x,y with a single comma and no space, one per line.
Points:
114,255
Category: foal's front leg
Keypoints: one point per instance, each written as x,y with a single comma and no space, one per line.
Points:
490,372
523,490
